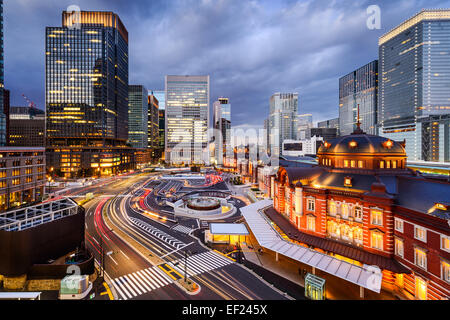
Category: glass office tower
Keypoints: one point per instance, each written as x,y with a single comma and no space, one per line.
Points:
187,119
2,86
222,123
161,96
137,116
414,95
359,87
87,95
283,122
153,122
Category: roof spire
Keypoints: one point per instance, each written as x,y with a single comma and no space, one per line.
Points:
358,125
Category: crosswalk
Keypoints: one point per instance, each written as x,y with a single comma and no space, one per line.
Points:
140,282
158,233
200,263
182,228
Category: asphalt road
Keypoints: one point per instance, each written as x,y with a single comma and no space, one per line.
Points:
130,275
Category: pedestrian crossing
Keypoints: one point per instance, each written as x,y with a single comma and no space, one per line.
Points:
200,263
158,233
182,228
140,282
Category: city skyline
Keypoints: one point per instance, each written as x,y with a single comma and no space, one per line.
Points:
312,70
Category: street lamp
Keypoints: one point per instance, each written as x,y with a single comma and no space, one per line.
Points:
186,254
102,265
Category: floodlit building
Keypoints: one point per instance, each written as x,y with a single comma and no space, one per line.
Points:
283,122
187,120
359,88
414,80
87,95
361,209
222,124
137,116
3,117
22,176
26,127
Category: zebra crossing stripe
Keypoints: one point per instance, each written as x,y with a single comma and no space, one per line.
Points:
119,288
125,284
149,280
132,284
163,275
149,271
144,281
136,281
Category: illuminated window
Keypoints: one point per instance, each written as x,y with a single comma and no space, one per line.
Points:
345,210
376,217
420,233
311,223
398,225
388,164
358,213
311,204
352,163
345,163
358,235
376,240
445,271
381,164
394,164
421,289
332,208
15,182
445,243
360,164
399,247
420,258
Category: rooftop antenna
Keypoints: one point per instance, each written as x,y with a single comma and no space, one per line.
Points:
358,125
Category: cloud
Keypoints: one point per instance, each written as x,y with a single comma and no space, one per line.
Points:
251,49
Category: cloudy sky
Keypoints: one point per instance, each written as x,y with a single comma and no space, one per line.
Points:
250,48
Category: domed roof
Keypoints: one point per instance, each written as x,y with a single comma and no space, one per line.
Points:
361,143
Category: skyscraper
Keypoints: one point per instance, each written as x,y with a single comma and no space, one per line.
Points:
187,119
359,87
2,83
87,94
153,125
137,116
283,122
414,95
161,96
305,121
222,124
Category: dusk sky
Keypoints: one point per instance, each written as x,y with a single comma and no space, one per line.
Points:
251,49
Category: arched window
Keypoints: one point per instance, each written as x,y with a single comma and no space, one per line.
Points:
358,213
344,210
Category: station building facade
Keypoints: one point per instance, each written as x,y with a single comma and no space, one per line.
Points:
361,204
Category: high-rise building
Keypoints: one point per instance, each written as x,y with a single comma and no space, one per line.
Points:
153,125
325,133
137,116
331,123
161,97
87,95
414,95
359,88
282,119
222,124
162,130
26,127
3,119
187,119
305,121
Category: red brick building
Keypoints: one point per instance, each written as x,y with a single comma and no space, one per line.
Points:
363,205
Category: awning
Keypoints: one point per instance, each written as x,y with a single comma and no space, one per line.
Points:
228,228
368,277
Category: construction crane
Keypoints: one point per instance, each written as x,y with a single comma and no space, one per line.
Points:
31,104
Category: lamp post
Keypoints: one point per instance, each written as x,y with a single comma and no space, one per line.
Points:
102,264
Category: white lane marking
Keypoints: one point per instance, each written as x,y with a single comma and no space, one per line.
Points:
113,260
142,277
125,255
118,286
135,280
126,288
130,282
150,273
154,284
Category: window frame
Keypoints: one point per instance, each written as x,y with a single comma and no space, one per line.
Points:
416,227
397,220
372,215
416,250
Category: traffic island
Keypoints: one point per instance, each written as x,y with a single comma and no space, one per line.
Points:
189,286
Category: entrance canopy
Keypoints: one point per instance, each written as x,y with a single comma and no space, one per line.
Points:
367,276
228,228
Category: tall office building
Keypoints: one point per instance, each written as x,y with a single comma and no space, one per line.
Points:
305,121
87,95
359,87
187,119
137,116
3,119
283,122
414,95
161,96
330,123
222,124
26,127
153,123
162,130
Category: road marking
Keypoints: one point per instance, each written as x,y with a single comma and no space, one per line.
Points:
177,250
125,255
108,291
200,263
182,229
113,260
